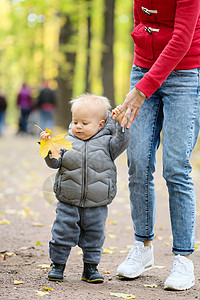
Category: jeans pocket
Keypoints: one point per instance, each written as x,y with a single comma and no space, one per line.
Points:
189,72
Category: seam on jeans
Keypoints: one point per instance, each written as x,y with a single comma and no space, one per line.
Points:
190,144
147,171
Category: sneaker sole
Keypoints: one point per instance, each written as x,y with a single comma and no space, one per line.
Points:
136,274
173,288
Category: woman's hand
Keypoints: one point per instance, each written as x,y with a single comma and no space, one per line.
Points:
45,135
131,106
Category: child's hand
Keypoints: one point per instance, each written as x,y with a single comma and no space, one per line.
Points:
116,111
45,135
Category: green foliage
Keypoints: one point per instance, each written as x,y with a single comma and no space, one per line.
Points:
29,44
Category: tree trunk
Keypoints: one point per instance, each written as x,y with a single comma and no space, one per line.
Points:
88,88
66,76
107,58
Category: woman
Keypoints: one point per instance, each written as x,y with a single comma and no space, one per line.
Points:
164,95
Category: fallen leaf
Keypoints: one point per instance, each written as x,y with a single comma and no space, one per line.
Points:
158,237
38,225
16,282
107,251
162,228
112,236
40,293
153,285
44,266
108,222
47,288
123,296
123,251
54,145
4,222
159,267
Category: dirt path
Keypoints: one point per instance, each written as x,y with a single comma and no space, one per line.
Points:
25,232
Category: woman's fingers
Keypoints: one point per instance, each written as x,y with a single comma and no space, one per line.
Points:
125,118
117,111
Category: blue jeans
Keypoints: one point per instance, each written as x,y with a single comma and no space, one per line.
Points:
46,119
2,121
175,109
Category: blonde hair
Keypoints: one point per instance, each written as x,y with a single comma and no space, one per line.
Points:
100,104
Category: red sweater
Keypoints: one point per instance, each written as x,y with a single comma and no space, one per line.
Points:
167,38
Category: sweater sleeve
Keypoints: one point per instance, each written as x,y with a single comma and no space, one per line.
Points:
53,162
186,17
120,141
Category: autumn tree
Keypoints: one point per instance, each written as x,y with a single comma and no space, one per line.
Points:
66,72
107,55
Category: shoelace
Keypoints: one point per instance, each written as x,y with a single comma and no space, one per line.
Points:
134,254
178,267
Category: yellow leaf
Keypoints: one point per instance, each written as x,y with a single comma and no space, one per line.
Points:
44,266
159,267
123,296
54,145
17,282
38,224
4,222
107,251
112,236
48,130
47,288
108,222
40,293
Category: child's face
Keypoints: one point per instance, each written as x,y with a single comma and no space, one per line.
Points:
85,122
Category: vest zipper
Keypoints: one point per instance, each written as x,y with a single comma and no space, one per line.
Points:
84,175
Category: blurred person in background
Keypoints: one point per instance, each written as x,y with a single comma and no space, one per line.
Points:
46,104
3,107
24,102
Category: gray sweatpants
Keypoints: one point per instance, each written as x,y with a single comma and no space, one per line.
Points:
73,226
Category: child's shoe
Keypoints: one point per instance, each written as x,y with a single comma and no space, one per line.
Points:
56,272
91,274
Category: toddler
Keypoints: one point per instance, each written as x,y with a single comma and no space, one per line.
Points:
85,184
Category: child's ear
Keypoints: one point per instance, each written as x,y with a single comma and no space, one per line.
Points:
101,123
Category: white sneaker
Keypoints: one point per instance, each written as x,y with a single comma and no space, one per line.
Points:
139,260
181,276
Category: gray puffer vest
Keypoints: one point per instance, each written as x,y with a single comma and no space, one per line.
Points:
87,175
